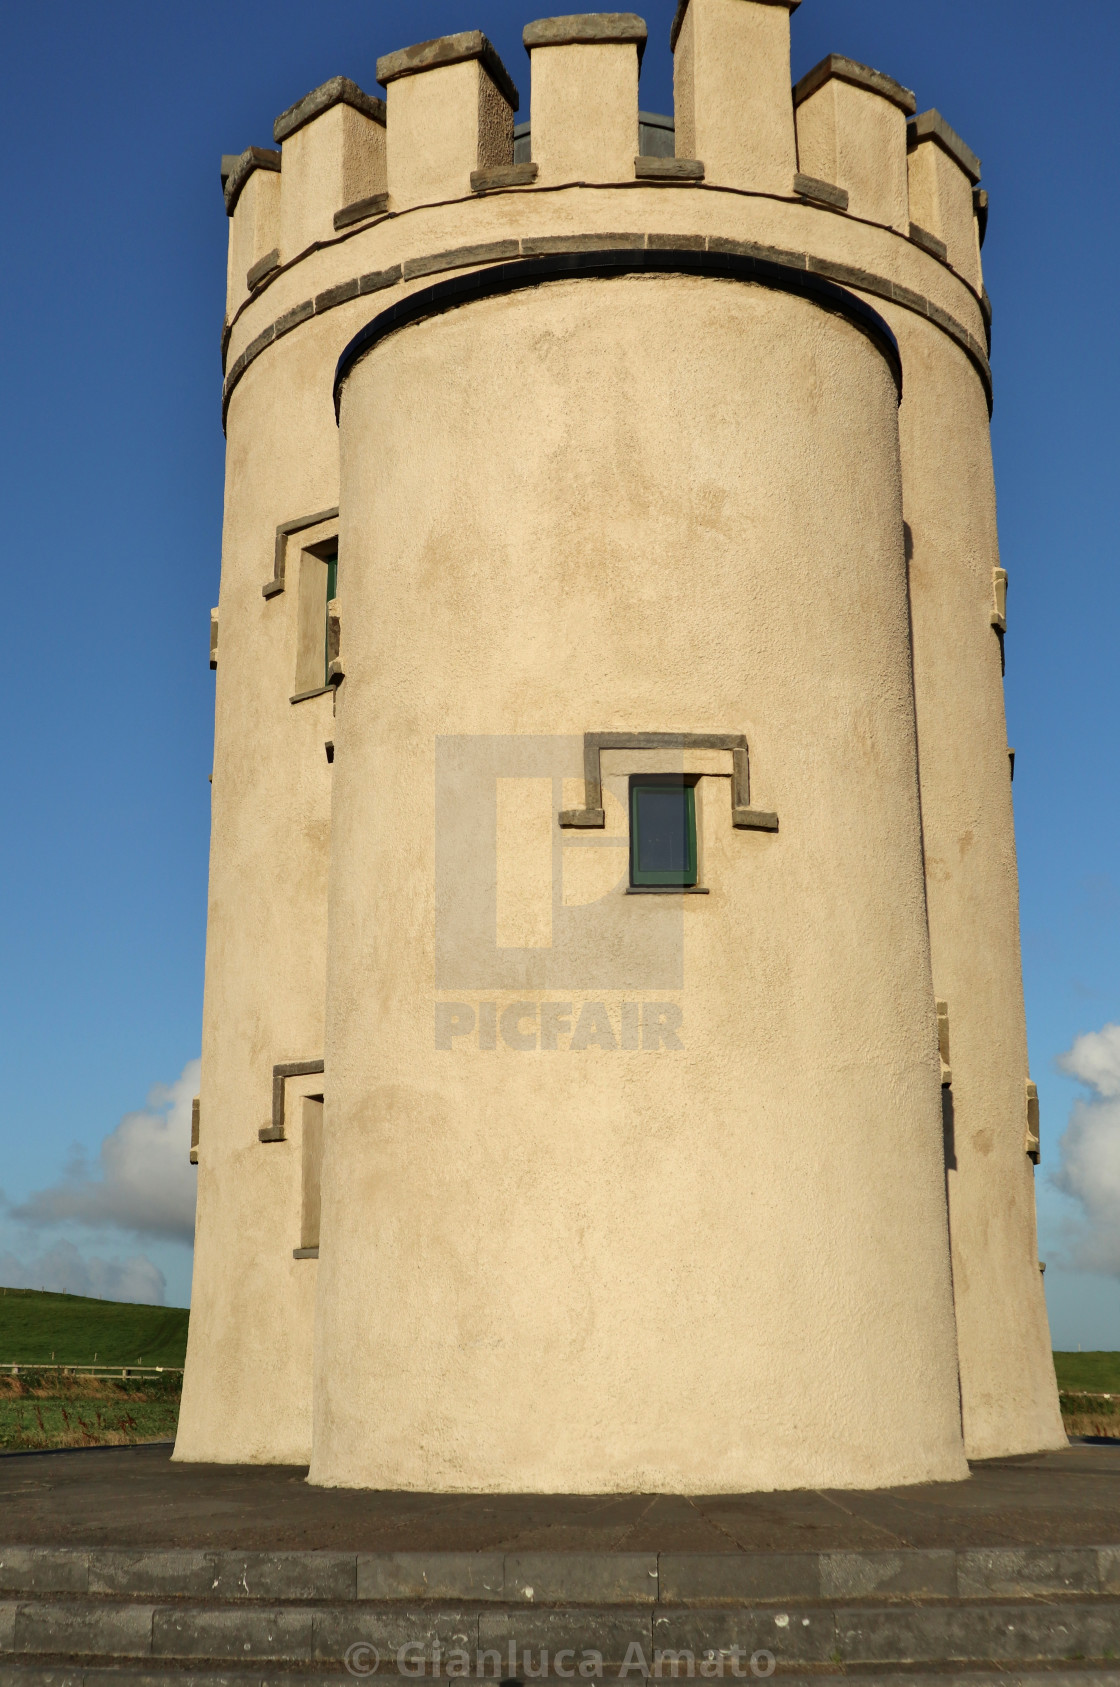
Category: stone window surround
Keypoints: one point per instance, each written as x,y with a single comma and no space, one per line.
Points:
280,1074
593,815
300,524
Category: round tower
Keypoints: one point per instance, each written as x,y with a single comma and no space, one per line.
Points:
614,1069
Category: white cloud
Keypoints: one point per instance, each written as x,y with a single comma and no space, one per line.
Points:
144,1183
1095,1060
62,1269
1089,1151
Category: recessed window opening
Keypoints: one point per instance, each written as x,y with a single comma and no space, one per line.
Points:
318,585
662,831
332,593
312,1170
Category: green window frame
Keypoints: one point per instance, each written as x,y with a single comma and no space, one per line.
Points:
654,825
332,592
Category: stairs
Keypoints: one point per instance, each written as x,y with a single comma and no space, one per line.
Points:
88,1618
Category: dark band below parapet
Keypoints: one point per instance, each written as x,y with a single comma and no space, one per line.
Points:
607,264
498,251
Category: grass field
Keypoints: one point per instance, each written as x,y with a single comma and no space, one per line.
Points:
1097,1372
1082,1379
38,1328
55,1409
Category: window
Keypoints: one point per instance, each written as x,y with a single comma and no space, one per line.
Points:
332,593
312,1171
662,832
318,584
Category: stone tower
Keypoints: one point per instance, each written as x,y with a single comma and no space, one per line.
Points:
614,1065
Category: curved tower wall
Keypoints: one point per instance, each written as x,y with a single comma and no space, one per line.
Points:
622,1244
450,203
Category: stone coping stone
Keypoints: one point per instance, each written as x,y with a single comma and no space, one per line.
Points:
526,1579
836,66
931,126
587,29
253,158
339,90
449,49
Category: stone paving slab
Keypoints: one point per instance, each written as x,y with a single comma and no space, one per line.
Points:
134,1497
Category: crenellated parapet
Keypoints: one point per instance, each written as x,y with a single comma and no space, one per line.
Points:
943,173
732,94
333,151
851,130
839,169
451,104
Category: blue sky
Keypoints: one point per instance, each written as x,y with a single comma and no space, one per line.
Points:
113,122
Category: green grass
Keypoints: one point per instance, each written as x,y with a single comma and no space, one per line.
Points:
1099,1373
26,1425
35,1326
59,1408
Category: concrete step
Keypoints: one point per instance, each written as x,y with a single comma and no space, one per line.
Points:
178,1615
127,1674
556,1578
506,1642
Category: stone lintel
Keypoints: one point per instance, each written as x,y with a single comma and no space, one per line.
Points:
374,205
253,158
449,49
682,8
338,91
651,169
266,266
929,243
931,126
835,65
587,29
821,193
503,175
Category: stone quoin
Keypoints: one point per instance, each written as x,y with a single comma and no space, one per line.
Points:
614,1063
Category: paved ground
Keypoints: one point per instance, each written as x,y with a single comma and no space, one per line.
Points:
135,1496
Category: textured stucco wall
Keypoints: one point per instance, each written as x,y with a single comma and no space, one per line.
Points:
573,523
972,885
613,1270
